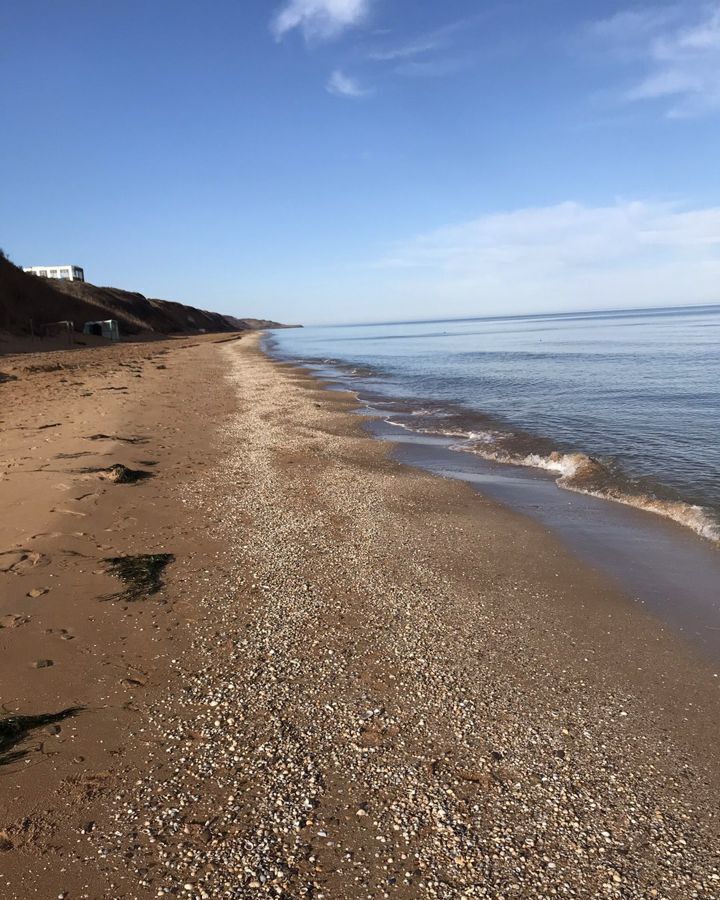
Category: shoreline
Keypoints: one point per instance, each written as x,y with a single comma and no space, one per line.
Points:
657,562
364,681
596,460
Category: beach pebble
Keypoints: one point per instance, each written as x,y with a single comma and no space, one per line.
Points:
393,687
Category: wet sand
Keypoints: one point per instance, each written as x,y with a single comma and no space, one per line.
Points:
657,563
357,679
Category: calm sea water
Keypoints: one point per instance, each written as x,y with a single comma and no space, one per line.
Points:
624,405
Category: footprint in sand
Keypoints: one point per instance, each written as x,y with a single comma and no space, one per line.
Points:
89,496
54,535
19,562
62,633
13,620
9,559
117,437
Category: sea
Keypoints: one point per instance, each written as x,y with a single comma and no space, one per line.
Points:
621,404
603,426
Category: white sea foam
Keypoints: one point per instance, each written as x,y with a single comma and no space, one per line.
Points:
581,473
697,518
577,472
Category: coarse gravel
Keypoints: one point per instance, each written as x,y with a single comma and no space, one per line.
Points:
357,722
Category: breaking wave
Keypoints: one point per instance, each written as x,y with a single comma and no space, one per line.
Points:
576,471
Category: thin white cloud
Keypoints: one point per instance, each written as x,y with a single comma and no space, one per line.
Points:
679,48
435,68
422,45
633,28
405,50
566,255
319,19
342,85
435,40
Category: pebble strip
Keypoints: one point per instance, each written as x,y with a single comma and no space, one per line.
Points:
355,726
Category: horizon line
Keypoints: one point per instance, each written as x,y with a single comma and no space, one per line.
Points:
524,315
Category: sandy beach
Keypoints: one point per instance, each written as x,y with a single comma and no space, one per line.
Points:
324,674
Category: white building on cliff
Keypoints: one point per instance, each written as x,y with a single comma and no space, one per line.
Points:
66,273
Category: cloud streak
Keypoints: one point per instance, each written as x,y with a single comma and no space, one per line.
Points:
680,55
431,53
404,51
319,20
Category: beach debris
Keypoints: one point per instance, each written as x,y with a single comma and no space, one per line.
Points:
118,473
13,620
42,663
16,729
4,376
141,573
118,437
37,592
46,367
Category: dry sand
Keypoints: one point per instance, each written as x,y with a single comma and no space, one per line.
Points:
356,680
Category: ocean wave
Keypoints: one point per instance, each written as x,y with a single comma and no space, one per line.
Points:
576,471
584,474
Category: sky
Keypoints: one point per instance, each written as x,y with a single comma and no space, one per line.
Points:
365,160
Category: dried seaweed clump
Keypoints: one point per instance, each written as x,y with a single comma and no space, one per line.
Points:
141,574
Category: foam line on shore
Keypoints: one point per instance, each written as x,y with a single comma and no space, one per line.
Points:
576,471
579,472
582,473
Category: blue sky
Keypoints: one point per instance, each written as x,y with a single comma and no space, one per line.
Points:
349,160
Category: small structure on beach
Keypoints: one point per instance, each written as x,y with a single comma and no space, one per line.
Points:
64,273
56,329
107,328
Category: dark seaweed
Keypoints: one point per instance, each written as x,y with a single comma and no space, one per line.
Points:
16,729
141,574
